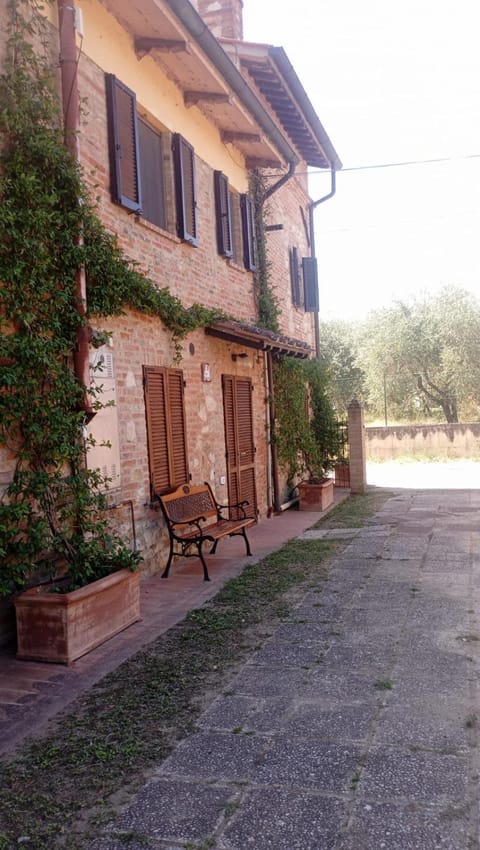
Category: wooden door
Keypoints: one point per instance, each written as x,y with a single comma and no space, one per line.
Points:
239,442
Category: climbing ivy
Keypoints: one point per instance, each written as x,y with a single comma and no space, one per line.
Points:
267,305
305,429
54,508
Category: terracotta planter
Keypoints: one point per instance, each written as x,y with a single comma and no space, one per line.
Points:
61,627
316,497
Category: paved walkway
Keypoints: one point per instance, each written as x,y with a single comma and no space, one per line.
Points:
355,726
32,693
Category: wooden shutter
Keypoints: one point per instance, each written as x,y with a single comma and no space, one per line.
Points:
236,218
184,162
223,215
295,277
230,439
123,144
310,284
152,183
239,442
166,431
178,443
248,233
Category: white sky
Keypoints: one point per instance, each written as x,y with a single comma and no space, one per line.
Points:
390,82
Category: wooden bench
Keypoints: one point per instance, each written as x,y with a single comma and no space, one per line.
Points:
194,517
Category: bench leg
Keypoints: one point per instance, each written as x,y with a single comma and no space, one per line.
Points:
167,568
247,544
206,577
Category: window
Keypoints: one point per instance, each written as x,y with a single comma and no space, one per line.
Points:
136,156
152,182
310,284
166,429
295,280
223,215
185,191
248,233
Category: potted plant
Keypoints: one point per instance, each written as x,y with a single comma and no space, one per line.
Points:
71,579
305,430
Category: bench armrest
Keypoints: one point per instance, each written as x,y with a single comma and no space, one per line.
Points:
239,505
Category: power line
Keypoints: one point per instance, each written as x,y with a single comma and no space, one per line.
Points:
389,164
407,162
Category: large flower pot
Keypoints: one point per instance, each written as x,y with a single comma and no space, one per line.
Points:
61,627
316,497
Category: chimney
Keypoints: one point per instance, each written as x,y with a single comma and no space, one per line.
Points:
222,17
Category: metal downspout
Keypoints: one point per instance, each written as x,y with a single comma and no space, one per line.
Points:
71,121
273,444
311,211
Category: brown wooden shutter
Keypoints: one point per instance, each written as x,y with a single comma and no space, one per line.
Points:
248,233
152,183
239,442
310,284
166,430
223,215
184,161
295,277
230,438
123,144
176,408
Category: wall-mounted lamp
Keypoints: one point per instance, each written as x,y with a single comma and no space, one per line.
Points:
239,356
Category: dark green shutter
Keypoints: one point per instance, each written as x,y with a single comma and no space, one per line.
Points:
123,145
223,215
310,284
248,233
185,191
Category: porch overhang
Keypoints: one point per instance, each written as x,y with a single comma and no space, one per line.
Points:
261,339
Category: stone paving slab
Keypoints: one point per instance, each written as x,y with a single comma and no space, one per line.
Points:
355,726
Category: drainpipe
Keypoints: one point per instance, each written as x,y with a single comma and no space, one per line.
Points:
311,211
71,122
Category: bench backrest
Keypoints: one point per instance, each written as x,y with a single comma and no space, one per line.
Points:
187,503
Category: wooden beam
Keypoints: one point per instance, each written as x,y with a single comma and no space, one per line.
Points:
232,136
167,45
191,98
257,162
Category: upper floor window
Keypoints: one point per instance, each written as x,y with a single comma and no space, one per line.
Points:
138,152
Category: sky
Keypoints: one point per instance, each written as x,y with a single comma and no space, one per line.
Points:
391,83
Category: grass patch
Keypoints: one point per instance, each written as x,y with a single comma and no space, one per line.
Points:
353,512
59,791
384,684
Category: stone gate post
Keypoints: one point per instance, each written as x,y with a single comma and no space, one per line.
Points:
356,439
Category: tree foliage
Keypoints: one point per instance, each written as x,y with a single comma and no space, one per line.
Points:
338,351
423,357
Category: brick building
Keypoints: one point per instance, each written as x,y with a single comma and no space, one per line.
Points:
179,111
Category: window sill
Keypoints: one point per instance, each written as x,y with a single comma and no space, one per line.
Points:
148,225
232,264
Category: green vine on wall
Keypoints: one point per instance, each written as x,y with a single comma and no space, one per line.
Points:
54,507
306,434
267,304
